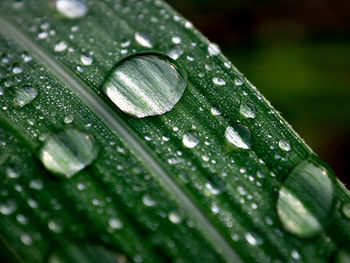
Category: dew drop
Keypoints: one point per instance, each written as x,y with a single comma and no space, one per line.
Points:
17,70
72,9
252,239
175,217
60,46
68,119
346,210
176,40
247,110
175,52
115,223
213,49
148,200
239,136
215,111
216,185
238,81
8,207
26,239
147,84
219,81
24,95
284,145
86,60
68,152
54,226
144,39
306,199
190,140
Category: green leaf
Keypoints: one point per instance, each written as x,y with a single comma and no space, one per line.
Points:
126,135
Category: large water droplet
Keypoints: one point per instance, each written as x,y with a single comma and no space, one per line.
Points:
190,139
147,84
67,152
247,110
306,199
24,95
239,136
72,9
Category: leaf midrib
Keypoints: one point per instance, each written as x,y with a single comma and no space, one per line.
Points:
117,125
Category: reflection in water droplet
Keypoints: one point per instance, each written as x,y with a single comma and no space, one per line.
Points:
144,39
24,95
213,49
67,152
72,8
346,210
306,199
284,145
216,185
190,139
239,136
247,110
147,84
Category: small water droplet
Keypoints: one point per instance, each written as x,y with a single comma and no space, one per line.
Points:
86,60
306,199
115,223
253,239
24,95
72,9
175,217
284,145
26,239
68,119
54,226
147,84
216,185
36,184
144,39
60,46
67,152
215,111
295,255
176,40
190,140
239,136
219,81
148,200
346,210
17,70
213,49
247,109
8,207
238,81
175,52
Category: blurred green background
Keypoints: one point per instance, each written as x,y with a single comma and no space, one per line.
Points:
297,53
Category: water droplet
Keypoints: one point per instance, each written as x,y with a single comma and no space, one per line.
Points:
176,40
145,85
295,254
26,239
8,207
346,210
86,60
24,95
144,39
115,223
55,227
284,145
247,110
239,136
148,200
253,239
216,185
190,140
72,9
68,119
238,81
215,111
67,152
306,199
60,46
219,81
36,184
17,70
213,49
175,217
175,52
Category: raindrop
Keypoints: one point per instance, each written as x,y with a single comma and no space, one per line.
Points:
213,49
115,223
253,239
215,111
306,199
68,152
238,81
247,110
26,239
284,145
239,136
190,140
8,207
55,227
148,200
72,9
60,46
17,69
144,39
175,217
219,81
176,40
175,52
86,60
346,210
216,185
24,95
147,84
68,119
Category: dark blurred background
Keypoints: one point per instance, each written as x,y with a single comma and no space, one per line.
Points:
297,53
